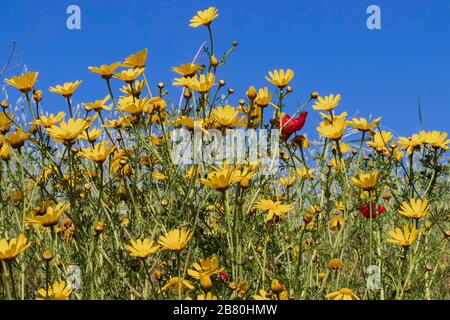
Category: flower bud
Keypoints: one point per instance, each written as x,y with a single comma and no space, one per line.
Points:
47,256
37,95
213,61
187,94
160,85
314,95
4,104
251,93
99,227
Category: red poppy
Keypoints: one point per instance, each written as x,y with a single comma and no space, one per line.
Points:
223,275
365,210
292,125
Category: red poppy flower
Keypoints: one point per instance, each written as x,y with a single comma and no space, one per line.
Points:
292,125
365,210
223,275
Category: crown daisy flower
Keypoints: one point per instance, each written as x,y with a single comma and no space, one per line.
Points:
106,71
50,120
204,18
67,89
57,291
187,70
280,78
416,209
175,240
25,82
129,75
366,181
136,60
97,105
68,132
51,217
404,237
327,103
142,248
11,248
342,294
97,153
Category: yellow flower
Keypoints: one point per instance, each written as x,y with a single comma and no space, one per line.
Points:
156,104
301,140
17,139
305,172
158,175
97,105
275,210
142,248
207,296
220,179
411,144
226,117
342,294
5,122
263,98
404,238
129,75
280,78
340,206
202,83
175,240
132,105
51,217
336,223
202,271
5,151
25,82
67,89
327,103
380,140
244,176
57,291
204,18
361,124
263,295
330,118
68,132
187,70
437,139
183,82
10,250
288,181
49,121
121,163
415,209
332,131
136,60
91,135
105,71
97,153
178,285
366,181
344,147
138,86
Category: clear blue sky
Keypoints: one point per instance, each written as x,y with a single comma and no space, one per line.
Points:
379,73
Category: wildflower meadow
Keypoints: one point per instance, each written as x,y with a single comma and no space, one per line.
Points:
106,199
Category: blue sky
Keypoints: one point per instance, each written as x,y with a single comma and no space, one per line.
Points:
378,72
